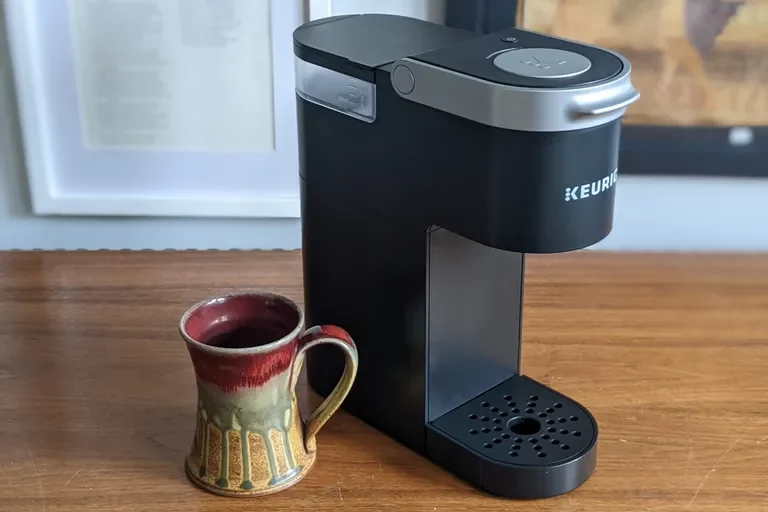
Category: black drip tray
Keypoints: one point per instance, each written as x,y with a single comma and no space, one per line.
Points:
513,429
521,422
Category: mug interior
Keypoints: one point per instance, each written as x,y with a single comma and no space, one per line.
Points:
241,321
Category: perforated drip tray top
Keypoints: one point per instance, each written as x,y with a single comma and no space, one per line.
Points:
521,422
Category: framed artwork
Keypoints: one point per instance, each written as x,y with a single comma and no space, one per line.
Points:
700,67
158,107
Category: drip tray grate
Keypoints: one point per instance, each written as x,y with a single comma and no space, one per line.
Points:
521,422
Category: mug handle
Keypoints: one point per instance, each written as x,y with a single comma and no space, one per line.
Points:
333,335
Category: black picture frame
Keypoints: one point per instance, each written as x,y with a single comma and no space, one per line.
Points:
650,150
692,151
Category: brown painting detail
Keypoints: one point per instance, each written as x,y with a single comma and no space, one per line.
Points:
695,62
274,462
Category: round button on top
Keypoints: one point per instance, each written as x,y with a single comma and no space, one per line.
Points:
542,63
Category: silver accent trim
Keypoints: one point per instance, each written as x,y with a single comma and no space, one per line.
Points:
499,52
596,111
521,108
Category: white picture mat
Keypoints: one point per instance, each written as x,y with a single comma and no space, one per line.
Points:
430,10
185,75
68,178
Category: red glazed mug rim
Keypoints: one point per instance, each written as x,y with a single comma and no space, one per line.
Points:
259,349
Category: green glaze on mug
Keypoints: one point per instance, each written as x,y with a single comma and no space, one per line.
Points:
250,438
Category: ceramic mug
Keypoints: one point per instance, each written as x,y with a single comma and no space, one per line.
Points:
247,349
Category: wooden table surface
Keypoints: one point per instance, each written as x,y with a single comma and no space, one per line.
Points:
97,398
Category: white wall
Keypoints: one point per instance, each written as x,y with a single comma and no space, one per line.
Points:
651,213
690,214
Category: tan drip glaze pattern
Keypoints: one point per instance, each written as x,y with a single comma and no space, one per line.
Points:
240,446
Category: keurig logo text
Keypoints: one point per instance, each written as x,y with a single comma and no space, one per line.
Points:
591,189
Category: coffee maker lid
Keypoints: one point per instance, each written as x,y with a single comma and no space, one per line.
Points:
357,44
513,79
520,80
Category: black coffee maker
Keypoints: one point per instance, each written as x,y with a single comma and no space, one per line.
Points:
431,160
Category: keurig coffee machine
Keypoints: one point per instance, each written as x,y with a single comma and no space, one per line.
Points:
431,160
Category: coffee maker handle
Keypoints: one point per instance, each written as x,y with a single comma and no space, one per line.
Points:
333,335
593,105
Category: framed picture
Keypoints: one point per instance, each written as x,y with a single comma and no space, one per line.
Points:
700,68
158,107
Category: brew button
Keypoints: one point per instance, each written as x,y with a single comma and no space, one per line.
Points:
510,39
403,80
542,63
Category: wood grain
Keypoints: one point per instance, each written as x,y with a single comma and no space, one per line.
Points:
678,86
668,351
